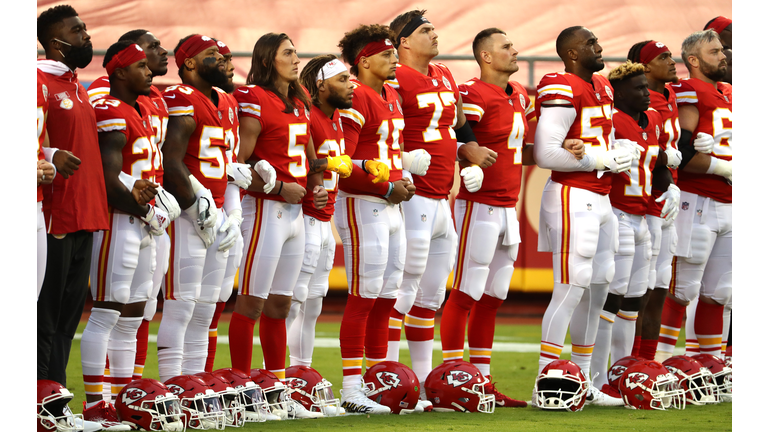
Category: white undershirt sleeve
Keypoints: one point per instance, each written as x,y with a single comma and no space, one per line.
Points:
554,124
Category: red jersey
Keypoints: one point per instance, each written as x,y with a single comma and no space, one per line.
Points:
284,136
230,122
630,191
372,130
205,157
328,137
594,104
429,106
79,203
501,124
159,112
42,109
113,114
714,107
666,105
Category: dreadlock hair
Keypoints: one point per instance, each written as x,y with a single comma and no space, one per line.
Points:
634,53
624,72
264,74
133,35
175,50
354,41
308,77
50,21
401,20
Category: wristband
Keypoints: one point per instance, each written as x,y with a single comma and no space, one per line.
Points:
48,152
389,191
281,187
464,133
363,166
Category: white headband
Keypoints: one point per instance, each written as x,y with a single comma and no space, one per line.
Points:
331,69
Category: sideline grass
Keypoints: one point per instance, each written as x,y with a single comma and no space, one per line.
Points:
514,373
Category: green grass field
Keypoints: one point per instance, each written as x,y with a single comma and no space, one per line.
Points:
514,372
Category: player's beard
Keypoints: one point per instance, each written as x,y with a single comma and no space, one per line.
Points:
594,66
337,101
713,71
211,73
229,87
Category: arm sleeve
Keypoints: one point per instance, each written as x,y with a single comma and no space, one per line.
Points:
232,198
551,131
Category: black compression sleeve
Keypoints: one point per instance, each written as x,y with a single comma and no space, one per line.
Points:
686,148
464,134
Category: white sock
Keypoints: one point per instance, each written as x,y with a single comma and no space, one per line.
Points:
691,342
93,345
556,319
351,383
584,324
599,365
170,337
421,358
122,350
196,339
623,335
726,326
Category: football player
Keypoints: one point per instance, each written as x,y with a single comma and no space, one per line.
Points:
274,127
45,173
702,264
123,256
327,81
660,72
489,236
630,192
195,173
435,124
576,221
368,215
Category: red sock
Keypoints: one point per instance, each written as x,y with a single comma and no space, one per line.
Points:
352,333
118,384
636,346
107,379
395,325
425,319
708,325
648,348
213,336
142,340
671,320
376,331
482,323
453,324
273,344
241,342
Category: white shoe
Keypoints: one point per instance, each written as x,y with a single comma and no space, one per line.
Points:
297,411
423,406
354,401
268,416
87,426
598,398
333,411
534,398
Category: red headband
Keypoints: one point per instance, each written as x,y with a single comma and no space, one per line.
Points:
223,48
651,50
719,24
192,47
374,48
128,56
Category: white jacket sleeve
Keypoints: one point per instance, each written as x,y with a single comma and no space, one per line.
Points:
551,131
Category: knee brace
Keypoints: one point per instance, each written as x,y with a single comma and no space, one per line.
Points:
701,244
586,237
500,284
417,252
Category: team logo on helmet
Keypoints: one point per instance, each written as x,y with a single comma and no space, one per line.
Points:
175,389
388,379
635,379
133,395
447,83
457,378
295,383
616,372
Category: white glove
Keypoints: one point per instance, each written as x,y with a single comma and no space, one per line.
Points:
618,160
674,157
704,143
267,174
157,220
635,149
231,226
241,174
671,200
473,178
417,161
721,167
204,209
167,203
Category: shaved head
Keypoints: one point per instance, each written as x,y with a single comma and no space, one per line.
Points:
566,40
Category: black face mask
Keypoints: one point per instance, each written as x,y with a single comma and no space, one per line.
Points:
79,57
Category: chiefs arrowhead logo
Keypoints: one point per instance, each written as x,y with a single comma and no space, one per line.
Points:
295,383
635,379
388,379
457,378
175,389
132,395
616,372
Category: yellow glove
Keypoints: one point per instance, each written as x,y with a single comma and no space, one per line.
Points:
340,164
378,169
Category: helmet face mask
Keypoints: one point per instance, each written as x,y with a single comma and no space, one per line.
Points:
254,401
459,386
647,384
561,386
721,374
694,378
251,403
53,413
204,411
148,404
314,392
